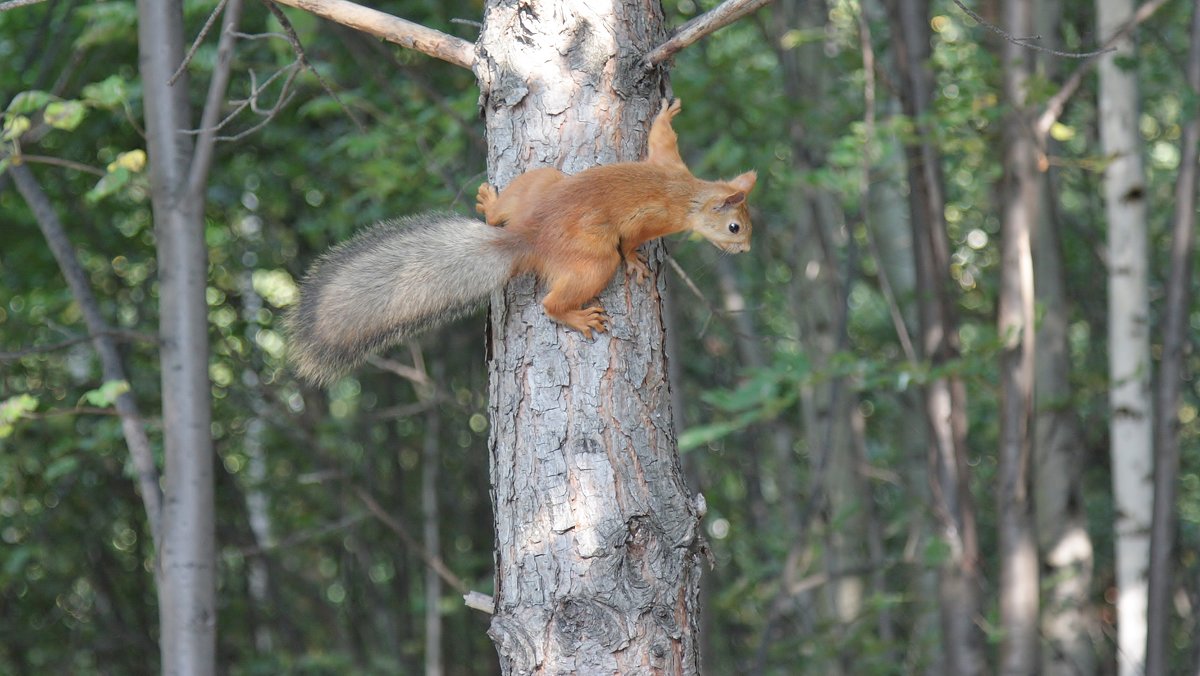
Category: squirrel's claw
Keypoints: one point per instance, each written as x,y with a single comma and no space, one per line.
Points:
635,266
586,320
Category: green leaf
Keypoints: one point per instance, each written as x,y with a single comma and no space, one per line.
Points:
111,92
14,126
12,409
28,102
107,393
109,184
61,467
65,115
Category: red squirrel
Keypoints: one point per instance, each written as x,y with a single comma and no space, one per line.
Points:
402,277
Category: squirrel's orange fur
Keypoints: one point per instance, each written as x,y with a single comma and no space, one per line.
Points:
402,277
574,231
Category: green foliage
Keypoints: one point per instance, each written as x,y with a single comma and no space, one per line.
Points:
326,588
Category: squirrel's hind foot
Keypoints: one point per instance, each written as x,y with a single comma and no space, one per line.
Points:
485,199
585,320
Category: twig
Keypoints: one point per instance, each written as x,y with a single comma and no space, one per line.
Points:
78,410
720,16
1028,42
407,34
432,560
59,162
298,48
196,43
13,4
415,375
128,336
304,536
218,85
1056,103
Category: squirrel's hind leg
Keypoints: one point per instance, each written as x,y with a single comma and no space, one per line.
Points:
572,288
485,200
663,146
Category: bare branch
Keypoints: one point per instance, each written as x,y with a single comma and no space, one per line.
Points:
132,423
187,58
217,86
1028,42
13,4
60,162
1056,103
128,336
720,16
416,375
298,48
407,34
480,601
432,560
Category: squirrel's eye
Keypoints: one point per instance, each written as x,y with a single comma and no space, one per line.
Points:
734,228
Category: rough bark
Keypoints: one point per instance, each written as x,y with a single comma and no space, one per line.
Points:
597,559
1171,373
1128,337
944,398
1018,592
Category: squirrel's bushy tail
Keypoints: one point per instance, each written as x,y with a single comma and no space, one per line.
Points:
391,281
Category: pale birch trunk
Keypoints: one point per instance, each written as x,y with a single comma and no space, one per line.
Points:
1128,337
598,543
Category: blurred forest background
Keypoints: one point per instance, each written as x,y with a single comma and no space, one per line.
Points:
801,371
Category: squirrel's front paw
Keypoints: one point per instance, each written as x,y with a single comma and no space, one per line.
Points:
635,266
671,107
586,320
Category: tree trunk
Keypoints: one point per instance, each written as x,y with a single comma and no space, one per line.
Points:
178,176
1171,373
1128,337
1018,592
1063,540
597,560
945,397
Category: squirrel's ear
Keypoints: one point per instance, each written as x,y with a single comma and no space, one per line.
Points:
745,182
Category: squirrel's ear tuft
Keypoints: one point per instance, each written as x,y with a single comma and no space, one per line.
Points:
745,182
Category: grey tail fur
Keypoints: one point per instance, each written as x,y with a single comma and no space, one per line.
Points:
392,281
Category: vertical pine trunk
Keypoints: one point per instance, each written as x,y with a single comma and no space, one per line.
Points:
598,544
1018,592
1128,336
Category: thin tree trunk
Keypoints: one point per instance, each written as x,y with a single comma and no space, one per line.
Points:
597,561
1128,337
430,462
1018,592
1171,373
945,397
132,424
1063,540
178,176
